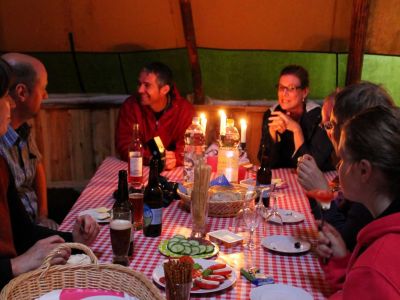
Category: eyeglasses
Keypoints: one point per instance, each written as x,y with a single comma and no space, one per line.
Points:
288,89
329,125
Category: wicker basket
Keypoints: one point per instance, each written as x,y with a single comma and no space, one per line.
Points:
47,278
218,208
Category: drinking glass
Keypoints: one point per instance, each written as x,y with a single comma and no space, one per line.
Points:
136,200
248,199
252,218
120,233
272,216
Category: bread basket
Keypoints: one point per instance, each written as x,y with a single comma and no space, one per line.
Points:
34,284
220,206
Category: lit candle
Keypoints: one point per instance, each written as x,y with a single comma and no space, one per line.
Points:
243,128
203,122
222,127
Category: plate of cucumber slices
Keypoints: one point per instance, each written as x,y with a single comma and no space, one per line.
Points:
179,246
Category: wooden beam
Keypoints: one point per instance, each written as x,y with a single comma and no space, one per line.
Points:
359,24
190,38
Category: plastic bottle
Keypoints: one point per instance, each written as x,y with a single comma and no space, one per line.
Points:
123,200
153,203
232,137
135,163
194,148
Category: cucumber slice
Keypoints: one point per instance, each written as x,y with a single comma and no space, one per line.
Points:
195,250
202,249
177,248
169,245
174,239
194,242
187,250
184,243
210,248
179,236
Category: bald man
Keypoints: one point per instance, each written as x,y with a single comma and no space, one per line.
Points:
18,146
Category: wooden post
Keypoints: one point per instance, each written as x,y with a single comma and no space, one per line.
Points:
358,34
190,38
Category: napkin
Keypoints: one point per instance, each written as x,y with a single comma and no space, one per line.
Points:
220,180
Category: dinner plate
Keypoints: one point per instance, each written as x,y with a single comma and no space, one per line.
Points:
285,244
100,214
279,291
251,182
162,247
159,272
291,216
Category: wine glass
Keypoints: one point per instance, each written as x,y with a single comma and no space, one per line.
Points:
247,200
272,215
252,219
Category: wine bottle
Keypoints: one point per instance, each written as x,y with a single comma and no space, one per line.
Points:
122,201
264,175
153,203
135,162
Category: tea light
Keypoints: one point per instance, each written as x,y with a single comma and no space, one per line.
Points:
243,128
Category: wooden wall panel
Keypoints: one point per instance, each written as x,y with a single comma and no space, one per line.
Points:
76,140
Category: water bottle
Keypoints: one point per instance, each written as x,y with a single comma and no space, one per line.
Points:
231,138
194,149
228,152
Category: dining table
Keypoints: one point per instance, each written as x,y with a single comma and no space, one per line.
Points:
300,270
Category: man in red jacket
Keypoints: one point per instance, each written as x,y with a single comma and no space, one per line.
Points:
159,110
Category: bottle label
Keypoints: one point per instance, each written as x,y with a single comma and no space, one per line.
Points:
151,216
135,164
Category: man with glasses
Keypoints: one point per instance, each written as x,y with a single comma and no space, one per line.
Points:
347,217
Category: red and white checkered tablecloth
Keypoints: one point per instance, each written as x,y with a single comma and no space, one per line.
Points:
303,271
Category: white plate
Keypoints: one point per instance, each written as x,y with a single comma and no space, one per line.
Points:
159,272
285,244
100,214
291,216
279,291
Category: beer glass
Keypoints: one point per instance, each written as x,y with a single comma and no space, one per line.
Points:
120,233
136,200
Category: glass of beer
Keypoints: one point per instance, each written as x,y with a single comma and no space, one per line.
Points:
136,200
120,232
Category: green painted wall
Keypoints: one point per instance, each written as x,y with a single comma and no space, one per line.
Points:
227,74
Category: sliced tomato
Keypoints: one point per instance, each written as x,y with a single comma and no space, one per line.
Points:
206,284
217,266
218,278
321,195
162,280
195,288
196,273
223,272
186,258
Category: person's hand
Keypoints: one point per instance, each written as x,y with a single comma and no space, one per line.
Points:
283,121
33,258
85,230
170,160
276,124
330,243
49,223
309,175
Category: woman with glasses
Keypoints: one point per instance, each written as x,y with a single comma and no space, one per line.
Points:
346,216
291,127
369,174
